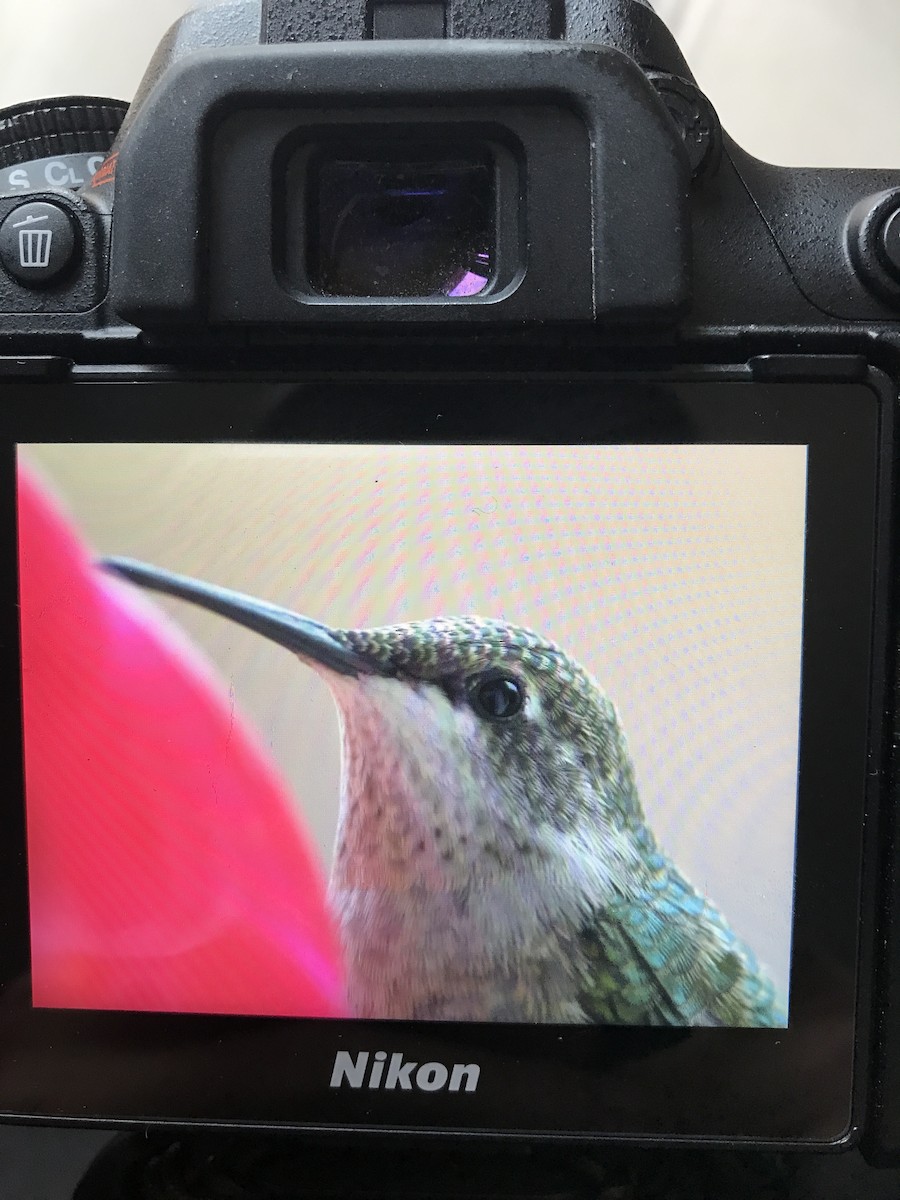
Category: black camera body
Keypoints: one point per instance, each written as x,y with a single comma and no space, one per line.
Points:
473,223
818,255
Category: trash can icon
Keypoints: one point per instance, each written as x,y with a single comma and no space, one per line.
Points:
34,247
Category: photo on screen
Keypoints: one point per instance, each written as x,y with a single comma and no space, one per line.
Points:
477,733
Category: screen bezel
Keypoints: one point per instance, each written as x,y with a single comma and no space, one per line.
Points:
697,1084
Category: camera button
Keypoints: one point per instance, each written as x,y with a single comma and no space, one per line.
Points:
890,242
37,243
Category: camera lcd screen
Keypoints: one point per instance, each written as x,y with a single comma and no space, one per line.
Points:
481,755
535,762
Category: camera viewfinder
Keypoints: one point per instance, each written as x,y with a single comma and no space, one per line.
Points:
411,227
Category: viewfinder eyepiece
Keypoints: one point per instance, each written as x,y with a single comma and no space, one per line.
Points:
411,227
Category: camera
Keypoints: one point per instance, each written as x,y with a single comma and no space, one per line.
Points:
448,594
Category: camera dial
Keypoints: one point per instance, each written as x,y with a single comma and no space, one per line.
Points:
57,143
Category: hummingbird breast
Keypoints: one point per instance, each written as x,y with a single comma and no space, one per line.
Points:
446,909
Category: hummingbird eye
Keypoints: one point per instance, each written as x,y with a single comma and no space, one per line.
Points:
497,697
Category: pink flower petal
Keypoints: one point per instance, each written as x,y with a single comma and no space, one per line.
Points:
168,870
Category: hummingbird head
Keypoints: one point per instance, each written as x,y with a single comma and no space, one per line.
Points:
529,714
471,746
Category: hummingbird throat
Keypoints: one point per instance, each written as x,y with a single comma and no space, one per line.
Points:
432,869
411,812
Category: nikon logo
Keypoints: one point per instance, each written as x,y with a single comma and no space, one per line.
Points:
383,1075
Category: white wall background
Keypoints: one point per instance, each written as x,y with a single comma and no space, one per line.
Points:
799,82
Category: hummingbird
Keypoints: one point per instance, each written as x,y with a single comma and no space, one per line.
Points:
492,860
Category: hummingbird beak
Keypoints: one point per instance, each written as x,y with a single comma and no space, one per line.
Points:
304,637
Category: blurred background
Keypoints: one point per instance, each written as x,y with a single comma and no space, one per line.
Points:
797,82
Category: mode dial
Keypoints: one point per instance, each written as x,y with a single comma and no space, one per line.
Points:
56,143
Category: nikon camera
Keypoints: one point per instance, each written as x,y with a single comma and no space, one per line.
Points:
448,650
